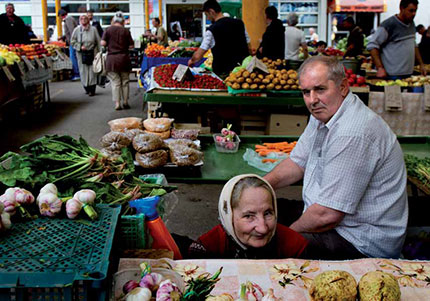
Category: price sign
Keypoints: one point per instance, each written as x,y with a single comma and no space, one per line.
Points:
28,63
21,68
48,61
180,73
8,74
427,97
256,64
39,63
62,57
393,98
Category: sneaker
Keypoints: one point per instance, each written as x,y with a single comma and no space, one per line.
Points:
75,78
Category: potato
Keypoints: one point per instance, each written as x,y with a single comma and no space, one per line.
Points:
257,80
228,84
261,76
266,81
265,59
240,80
278,87
291,81
294,87
269,61
253,75
283,82
287,87
284,71
297,82
248,80
245,86
270,86
262,87
275,81
293,75
239,72
245,74
285,76
254,86
270,76
272,71
236,86
290,71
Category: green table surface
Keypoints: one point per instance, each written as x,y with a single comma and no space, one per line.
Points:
220,167
291,99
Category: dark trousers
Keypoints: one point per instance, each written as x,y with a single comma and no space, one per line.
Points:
327,245
90,89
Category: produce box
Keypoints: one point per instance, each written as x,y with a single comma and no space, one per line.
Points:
287,124
57,259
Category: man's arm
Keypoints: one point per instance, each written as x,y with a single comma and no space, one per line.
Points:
420,61
305,50
376,57
197,56
286,173
207,43
318,218
377,39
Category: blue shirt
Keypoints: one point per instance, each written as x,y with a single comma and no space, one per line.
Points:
354,164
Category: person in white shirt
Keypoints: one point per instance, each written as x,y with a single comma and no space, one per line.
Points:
294,38
314,36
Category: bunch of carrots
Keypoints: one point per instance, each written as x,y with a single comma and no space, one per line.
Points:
277,147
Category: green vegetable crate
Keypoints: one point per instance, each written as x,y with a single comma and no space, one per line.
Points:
57,258
133,234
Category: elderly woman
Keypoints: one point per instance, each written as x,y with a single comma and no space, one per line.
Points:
249,228
118,40
86,41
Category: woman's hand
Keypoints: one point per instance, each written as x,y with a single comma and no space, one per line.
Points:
83,47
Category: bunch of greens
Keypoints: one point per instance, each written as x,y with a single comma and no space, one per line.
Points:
73,165
419,169
200,287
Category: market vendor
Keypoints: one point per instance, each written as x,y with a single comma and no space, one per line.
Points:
273,42
355,42
226,37
249,229
393,46
13,29
354,176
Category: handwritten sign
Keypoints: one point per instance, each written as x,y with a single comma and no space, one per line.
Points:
180,73
427,97
47,60
257,64
393,98
8,74
21,68
39,63
62,57
28,63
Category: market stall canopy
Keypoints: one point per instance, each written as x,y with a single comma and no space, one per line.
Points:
376,6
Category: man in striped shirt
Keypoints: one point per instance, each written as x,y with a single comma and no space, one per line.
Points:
354,176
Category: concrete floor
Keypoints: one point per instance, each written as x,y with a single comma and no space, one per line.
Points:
72,112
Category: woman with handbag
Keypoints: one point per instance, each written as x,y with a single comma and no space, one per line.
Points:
118,40
86,41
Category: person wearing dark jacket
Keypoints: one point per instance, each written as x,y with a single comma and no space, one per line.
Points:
95,23
273,44
355,44
226,37
13,29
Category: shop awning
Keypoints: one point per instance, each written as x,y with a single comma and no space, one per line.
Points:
376,6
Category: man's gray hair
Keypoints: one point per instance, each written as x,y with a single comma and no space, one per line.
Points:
118,18
9,4
292,19
335,69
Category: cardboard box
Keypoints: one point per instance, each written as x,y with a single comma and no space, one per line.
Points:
286,124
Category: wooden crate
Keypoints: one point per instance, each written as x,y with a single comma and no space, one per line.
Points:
286,124
253,124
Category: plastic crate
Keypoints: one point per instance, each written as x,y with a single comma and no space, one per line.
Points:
57,259
132,232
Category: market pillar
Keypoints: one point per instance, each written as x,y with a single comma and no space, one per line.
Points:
160,11
255,20
45,20
58,19
146,14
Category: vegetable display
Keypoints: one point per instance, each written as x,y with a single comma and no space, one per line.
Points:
228,139
5,222
355,80
73,165
163,76
419,170
278,147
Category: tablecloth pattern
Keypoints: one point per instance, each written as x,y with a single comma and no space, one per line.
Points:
291,278
412,120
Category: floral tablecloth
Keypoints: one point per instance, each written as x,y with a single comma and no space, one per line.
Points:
291,278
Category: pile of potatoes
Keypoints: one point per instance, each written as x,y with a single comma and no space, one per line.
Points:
273,64
257,80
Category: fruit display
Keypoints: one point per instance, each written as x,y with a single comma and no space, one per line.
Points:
163,77
155,50
418,68
275,80
8,57
51,48
330,51
226,142
413,81
355,80
209,59
183,43
31,51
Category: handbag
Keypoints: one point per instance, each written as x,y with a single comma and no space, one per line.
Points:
99,63
87,55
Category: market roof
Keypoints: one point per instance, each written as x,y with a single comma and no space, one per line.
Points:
378,6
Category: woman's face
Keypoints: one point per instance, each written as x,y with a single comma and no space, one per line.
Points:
254,219
84,20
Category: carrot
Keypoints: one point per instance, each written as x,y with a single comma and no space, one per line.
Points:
269,160
276,147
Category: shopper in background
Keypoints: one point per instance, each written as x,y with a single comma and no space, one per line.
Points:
95,23
314,36
69,26
273,44
86,42
226,37
294,38
424,45
393,46
13,29
118,40
354,175
355,43
160,36
175,35
249,229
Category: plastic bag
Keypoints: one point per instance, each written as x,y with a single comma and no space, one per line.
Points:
111,154
115,141
185,134
256,160
158,124
133,133
185,156
162,135
145,143
152,159
123,124
172,143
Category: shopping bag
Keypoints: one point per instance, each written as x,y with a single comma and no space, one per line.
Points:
99,63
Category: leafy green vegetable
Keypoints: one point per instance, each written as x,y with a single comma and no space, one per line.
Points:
419,169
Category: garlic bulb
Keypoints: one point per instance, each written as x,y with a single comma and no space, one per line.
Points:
270,296
49,204
139,294
23,196
17,197
49,188
168,291
73,207
5,222
9,204
87,198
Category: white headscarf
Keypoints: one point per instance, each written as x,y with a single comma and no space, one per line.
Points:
226,212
